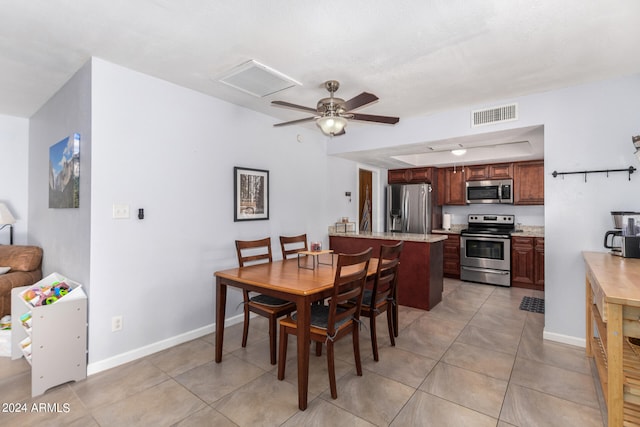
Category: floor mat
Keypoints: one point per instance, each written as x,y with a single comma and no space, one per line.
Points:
535,305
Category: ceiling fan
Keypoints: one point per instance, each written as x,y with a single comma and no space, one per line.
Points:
331,114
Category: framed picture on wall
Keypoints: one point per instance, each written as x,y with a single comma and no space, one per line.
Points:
64,173
251,194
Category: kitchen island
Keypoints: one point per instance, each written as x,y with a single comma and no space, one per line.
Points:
420,278
612,329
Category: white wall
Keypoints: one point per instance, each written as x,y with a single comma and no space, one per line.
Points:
171,151
585,127
14,146
589,127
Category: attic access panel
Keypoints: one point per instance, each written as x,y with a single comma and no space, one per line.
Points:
257,79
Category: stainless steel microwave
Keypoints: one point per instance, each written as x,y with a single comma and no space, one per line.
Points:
490,191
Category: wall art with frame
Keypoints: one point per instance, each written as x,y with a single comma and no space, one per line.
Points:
251,194
64,173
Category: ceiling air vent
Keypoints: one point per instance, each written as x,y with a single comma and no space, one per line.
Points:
257,79
489,116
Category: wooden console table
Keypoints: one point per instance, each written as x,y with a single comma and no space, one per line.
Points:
612,317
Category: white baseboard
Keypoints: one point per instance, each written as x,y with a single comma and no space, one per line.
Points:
565,339
129,356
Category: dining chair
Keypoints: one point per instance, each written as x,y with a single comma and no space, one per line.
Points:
331,322
293,244
382,296
256,251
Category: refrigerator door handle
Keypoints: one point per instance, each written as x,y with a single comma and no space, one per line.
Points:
425,207
407,216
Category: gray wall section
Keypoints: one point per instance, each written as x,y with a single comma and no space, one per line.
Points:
64,234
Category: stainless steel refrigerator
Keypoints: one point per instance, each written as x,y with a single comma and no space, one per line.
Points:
409,208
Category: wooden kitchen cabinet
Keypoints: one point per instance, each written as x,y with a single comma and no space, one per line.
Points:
492,171
451,256
451,186
527,262
538,263
411,175
528,183
476,172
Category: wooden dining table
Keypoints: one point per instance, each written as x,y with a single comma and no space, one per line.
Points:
282,279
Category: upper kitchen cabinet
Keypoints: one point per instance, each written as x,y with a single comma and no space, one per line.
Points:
411,176
493,171
451,186
528,183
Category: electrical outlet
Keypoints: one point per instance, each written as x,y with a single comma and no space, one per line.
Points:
116,323
120,211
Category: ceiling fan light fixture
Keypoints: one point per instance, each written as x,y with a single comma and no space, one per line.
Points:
458,152
331,125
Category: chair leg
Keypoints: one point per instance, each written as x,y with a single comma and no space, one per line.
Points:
282,357
245,329
394,306
318,349
332,370
374,336
356,350
392,330
273,338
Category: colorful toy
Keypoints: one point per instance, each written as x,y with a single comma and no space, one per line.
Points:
47,294
61,289
50,300
30,294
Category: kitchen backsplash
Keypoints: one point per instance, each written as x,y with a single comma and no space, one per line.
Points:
525,215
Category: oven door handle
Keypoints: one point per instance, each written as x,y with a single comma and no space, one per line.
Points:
485,270
487,236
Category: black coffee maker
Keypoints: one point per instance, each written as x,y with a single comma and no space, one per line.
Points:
626,237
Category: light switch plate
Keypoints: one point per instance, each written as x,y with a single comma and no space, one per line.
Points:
120,211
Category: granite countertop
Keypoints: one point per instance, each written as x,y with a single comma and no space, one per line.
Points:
455,229
411,237
529,231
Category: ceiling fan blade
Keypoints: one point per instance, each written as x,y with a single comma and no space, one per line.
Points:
373,118
293,122
359,101
294,106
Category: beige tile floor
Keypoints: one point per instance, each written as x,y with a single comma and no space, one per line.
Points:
474,360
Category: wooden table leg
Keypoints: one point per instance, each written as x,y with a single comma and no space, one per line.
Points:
304,335
221,303
615,373
589,319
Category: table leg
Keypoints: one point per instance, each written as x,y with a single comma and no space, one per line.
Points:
589,322
304,335
221,303
615,372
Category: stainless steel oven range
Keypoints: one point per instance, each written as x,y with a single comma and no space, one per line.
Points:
485,249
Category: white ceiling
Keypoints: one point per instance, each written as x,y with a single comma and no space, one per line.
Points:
417,56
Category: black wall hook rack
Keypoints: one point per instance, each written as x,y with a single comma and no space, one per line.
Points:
629,170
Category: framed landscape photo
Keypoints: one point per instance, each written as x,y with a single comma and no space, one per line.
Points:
64,173
251,194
